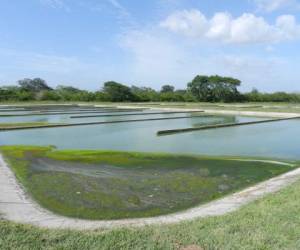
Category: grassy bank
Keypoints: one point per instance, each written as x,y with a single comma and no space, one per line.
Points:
113,185
269,223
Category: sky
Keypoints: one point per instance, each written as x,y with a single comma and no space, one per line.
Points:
84,43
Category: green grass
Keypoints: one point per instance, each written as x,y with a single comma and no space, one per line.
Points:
112,185
269,223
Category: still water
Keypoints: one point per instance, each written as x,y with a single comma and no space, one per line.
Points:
67,118
277,139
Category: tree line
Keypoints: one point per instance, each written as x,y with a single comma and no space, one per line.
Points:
201,89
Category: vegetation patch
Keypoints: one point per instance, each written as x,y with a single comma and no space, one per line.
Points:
24,125
113,185
272,222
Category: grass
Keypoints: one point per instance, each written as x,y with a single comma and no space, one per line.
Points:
271,223
112,185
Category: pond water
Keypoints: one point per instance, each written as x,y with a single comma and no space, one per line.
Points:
67,118
277,139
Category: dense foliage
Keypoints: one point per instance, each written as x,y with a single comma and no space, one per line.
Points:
215,89
200,89
256,96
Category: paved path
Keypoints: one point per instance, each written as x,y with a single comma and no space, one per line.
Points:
16,206
223,112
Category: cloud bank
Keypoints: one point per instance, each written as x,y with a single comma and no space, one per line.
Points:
222,27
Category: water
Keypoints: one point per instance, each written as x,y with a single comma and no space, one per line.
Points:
277,139
66,118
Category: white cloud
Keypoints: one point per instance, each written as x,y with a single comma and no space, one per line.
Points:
56,4
222,27
157,59
187,22
54,68
273,5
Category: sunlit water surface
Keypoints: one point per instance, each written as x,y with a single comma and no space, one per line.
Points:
277,139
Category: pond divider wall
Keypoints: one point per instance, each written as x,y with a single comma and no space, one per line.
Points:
185,130
240,107
135,114
12,110
73,113
72,109
96,123
47,111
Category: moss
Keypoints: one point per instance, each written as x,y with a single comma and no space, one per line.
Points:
112,185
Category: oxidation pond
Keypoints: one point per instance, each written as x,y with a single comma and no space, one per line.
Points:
277,139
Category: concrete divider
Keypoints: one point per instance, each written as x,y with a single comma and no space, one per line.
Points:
95,123
73,113
136,114
185,130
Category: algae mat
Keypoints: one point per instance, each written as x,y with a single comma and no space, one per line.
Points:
114,185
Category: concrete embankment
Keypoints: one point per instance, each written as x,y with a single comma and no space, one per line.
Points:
17,206
252,113
222,112
185,130
73,113
136,114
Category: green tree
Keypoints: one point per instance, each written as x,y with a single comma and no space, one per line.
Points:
68,93
214,88
118,92
145,94
33,85
101,96
167,89
50,95
15,93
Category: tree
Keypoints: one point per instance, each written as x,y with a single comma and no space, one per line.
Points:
50,95
214,88
15,93
118,92
33,85
167,89
199,88
68,93
69,89
145,94
101,96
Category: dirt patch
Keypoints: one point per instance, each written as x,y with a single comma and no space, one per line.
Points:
191,247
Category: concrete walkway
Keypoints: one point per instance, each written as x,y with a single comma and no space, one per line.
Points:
222,112
16,206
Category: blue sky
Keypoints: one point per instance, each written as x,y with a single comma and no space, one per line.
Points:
150,43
